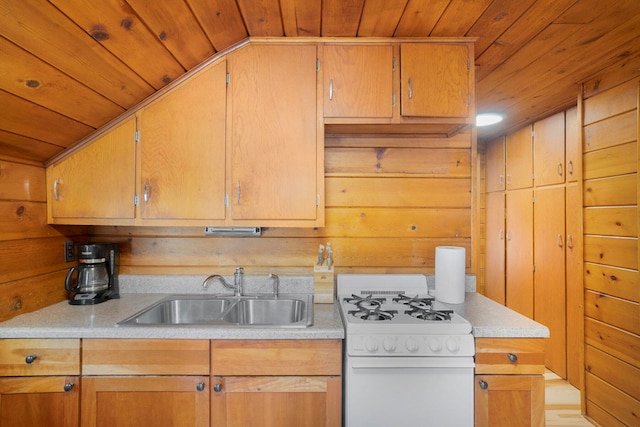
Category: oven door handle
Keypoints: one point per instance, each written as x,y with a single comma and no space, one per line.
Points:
375,362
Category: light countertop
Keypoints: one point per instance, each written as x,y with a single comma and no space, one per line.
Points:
61,320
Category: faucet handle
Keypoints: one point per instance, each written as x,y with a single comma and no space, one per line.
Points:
276,284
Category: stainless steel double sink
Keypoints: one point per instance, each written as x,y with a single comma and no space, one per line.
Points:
285,310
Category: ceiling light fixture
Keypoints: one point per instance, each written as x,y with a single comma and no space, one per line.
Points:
486,119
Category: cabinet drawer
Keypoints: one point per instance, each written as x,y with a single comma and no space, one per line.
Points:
145,357
25,357
510,355
276,357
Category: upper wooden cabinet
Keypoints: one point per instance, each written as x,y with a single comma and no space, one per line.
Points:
275,150
495,165
548,150
182,145
435,80
519,159
97,182
358,80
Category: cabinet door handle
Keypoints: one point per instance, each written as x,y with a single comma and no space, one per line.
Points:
508,236
330,89
512,357
147,191
570,167
508,179
483,384
570,241
217,387
560,244
30,359
56,193
501,180
560,169
68,386
200,386
410,88
501,235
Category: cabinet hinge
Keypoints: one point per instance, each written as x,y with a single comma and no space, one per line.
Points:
393,64
533,199
228,79
137,136
317,65
226,200
135,200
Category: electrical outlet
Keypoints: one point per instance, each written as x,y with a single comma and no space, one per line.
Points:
69,254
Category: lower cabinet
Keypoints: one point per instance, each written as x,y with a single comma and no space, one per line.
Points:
176,382
178,401
276,383
509,382
39,382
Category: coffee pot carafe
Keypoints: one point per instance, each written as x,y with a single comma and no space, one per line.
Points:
96,278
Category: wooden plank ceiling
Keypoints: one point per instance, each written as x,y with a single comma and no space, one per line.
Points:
69,66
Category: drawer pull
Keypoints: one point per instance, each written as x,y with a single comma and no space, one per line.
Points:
68,386
512,357
200,386
30,359
483,384
217,387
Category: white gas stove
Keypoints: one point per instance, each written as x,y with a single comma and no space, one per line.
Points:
404,348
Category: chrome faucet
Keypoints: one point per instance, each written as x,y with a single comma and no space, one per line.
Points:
237,287
276,284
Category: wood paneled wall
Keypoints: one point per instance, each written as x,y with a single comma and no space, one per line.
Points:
390,200
32,266
611,223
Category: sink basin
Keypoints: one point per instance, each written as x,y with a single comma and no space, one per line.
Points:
266,312
288,310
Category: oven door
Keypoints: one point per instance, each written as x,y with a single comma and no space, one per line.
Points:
409,391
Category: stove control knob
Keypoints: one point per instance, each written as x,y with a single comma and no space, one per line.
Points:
435,345
389,344
412,345
371,345
453,345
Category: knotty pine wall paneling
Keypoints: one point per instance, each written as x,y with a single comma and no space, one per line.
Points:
32,266
611,186
390,200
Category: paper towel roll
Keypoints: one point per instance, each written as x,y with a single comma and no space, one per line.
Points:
450,274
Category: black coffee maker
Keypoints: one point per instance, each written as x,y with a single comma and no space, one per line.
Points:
97,274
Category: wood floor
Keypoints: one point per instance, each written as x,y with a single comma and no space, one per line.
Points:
562,403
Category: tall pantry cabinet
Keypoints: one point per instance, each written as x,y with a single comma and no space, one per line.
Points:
533,210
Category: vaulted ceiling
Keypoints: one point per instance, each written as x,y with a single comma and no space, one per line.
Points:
68,67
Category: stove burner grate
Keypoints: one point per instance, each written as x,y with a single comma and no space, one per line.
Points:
374,314
429,314
415,302
365,303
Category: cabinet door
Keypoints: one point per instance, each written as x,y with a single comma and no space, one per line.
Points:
276,401
435,80
519,287
358,80
495,247
494,155
182,145
39,401
145,401
509,400
573,152
275,159
575,290
97,181
549,275
548,150
519,159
